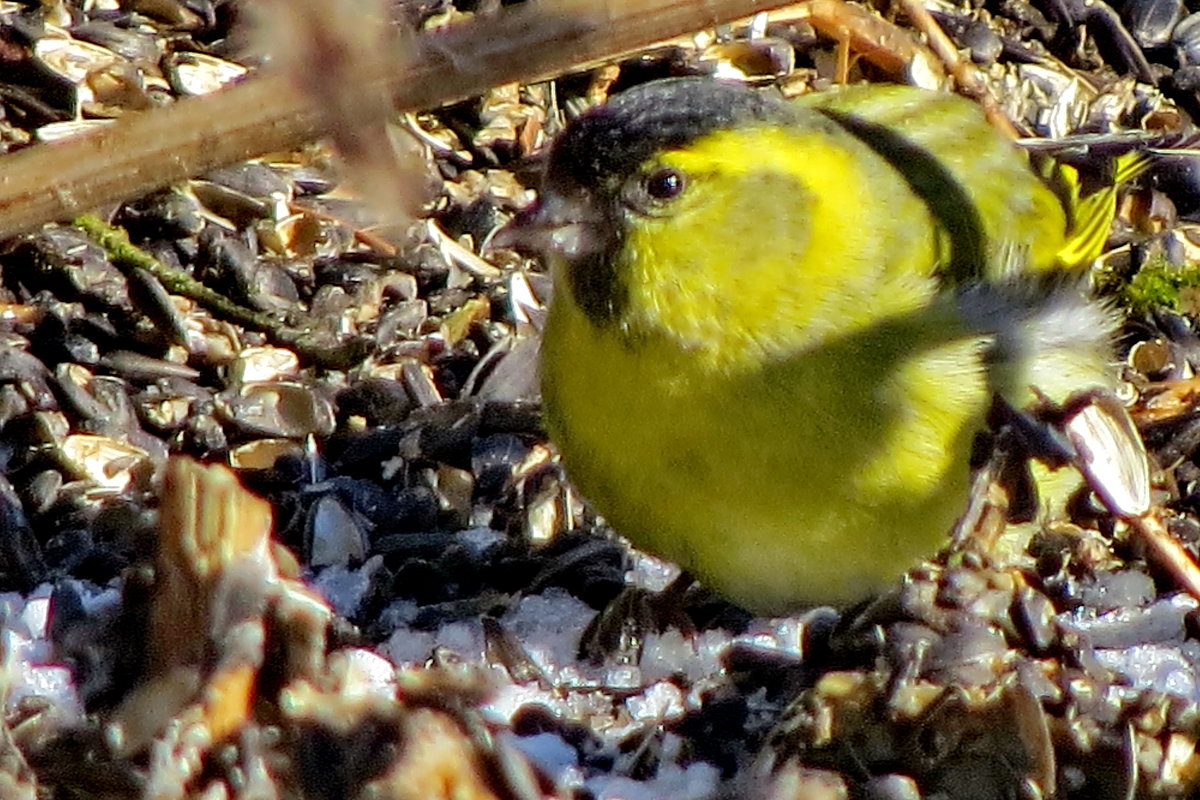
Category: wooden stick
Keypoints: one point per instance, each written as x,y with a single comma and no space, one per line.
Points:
965,73
145,151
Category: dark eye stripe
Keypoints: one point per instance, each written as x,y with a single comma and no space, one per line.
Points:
945,197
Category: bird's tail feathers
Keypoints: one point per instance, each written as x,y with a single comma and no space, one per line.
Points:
1048,338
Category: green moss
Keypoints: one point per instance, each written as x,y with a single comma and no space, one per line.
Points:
1158,284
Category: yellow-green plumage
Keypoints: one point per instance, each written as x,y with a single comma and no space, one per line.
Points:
754,364
1023,223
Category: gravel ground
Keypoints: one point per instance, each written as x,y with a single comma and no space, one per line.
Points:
403,617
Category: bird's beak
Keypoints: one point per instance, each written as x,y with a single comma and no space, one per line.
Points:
554,226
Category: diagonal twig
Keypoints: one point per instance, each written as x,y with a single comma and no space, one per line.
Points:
148,150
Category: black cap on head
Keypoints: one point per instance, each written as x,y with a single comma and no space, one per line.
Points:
612,140
579,216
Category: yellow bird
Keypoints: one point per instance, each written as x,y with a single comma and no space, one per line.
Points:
777,327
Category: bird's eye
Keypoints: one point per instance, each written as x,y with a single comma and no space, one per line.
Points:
664,184
650,193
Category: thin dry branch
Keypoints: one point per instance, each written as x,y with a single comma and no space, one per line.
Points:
149,150
966,74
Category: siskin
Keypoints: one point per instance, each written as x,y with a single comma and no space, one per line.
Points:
777,327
